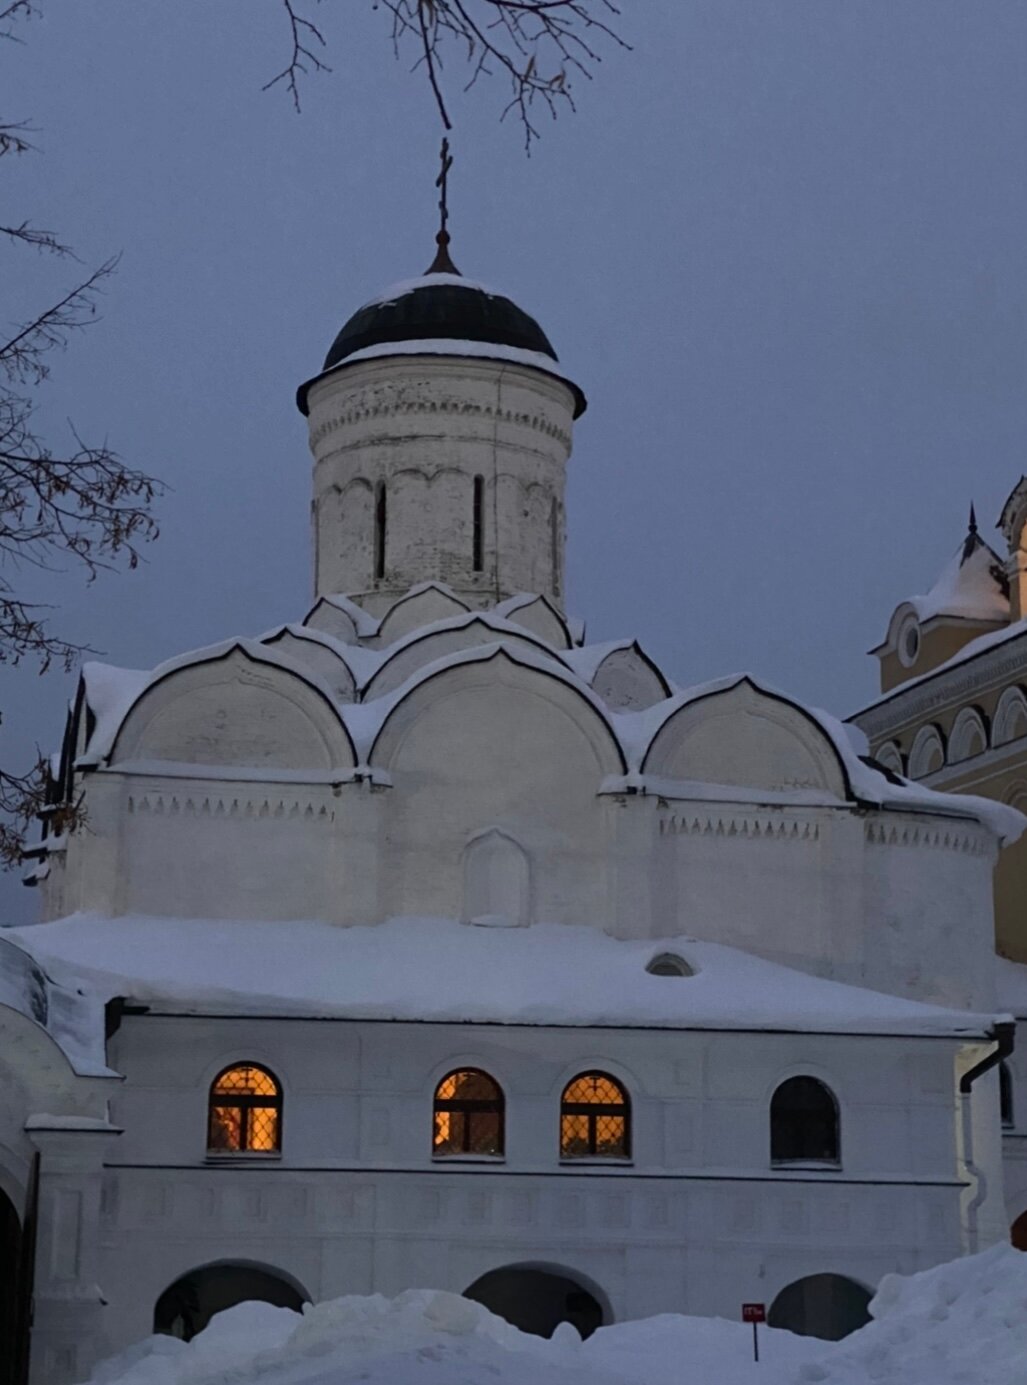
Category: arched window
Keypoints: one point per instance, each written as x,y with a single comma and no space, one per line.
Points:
1005,1096
468,1114
245,1112
595,1118
380,517
803,1123
669,964
478,545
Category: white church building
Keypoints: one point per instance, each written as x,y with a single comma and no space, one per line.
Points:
421,942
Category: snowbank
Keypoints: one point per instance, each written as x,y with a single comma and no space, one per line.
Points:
964,1323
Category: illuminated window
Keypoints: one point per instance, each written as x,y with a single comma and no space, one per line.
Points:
595,1119
468,1114
245,1112
803,1123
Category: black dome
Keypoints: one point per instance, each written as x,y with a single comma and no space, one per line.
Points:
441,310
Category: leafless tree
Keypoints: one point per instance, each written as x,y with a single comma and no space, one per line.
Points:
539,47
74,505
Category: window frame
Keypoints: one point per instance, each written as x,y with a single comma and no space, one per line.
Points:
1006,1097
592,1111
245,1102
469,1107
828,1163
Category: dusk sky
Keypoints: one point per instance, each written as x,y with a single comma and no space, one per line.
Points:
781,246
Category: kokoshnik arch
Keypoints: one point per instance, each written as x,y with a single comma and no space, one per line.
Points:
422,941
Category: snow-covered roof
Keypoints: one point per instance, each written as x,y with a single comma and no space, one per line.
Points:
431,969
451,346
111,692
429,281
968,587
73,1019
983,644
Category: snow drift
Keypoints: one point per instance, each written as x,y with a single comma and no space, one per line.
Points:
963,1323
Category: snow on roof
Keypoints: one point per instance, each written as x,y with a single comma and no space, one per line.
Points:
362,662
633,731
433,969
110,691
637,730
72,1019
452,346
967,587
586,659
429,281
981,645
126,686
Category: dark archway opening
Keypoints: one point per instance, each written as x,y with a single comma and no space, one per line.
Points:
821,1305
538,1300
1018,1232
187,1306
10,1278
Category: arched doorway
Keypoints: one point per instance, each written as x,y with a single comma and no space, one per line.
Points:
821,1305
538,1298
10,1276
187,1306
1018,1232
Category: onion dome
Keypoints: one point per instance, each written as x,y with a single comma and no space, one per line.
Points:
442,313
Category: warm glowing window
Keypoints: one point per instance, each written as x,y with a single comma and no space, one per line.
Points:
468,1114
595,1119
245,1112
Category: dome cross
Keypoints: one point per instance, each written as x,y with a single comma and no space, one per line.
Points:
442,264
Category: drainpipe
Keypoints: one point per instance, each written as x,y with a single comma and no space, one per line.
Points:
1004,1034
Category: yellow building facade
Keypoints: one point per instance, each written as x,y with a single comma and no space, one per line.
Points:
952,714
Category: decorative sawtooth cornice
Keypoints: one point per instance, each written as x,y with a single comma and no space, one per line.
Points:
738,825
227,806
960,839
1006,663
365,413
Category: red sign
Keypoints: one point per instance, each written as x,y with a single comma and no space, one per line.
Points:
754,1312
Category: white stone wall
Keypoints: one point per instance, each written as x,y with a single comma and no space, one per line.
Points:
425,427
696,1223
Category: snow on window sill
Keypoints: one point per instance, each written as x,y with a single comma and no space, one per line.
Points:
468,1158
241,1156
596,1161
814,1165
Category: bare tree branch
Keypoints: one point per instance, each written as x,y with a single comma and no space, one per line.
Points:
80,505
540,47
304,34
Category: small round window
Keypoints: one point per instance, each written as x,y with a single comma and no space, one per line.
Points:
909,642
